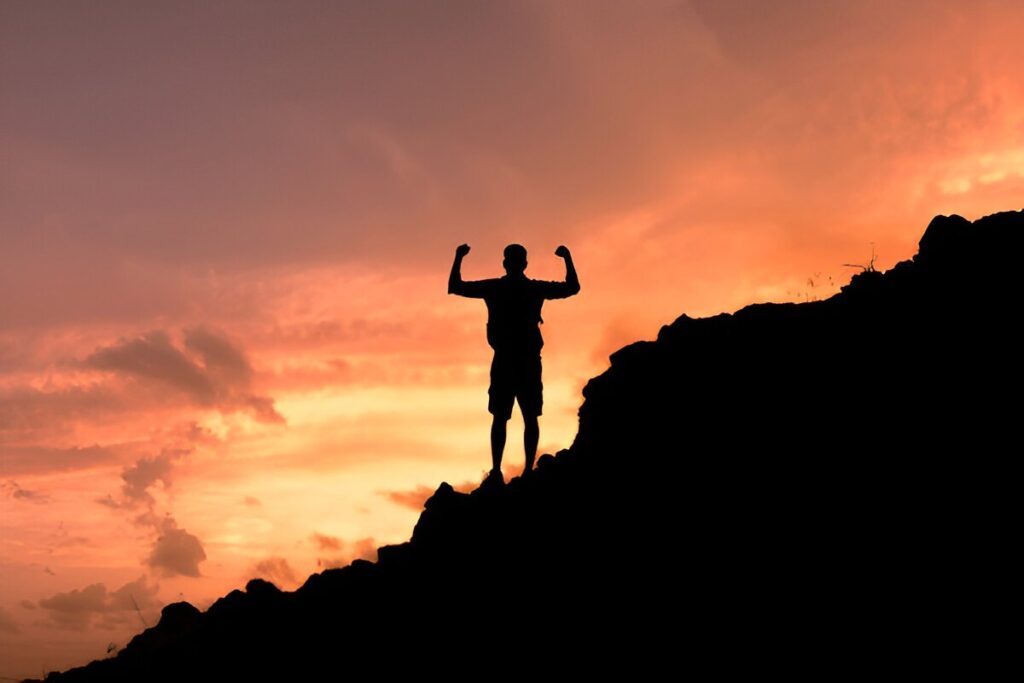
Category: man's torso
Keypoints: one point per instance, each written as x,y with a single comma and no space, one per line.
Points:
513,316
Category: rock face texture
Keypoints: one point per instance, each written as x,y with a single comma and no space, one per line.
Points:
816,487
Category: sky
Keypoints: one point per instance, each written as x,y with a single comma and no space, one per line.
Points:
226,347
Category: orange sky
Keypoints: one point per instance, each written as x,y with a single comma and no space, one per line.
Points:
225,232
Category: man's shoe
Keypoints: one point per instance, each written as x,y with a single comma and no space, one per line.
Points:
493,479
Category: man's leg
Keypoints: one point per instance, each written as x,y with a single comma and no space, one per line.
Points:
531,435
531,403
499,404
498,425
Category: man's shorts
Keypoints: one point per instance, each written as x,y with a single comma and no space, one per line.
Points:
515,377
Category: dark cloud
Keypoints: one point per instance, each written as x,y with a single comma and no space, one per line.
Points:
175,551
152,356
28,604
77,609
18,493
147,472
277,571
34,496
139,477
224,362
324,542
209,371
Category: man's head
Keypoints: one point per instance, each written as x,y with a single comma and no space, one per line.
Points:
515,259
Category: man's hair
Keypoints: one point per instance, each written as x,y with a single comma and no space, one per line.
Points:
515,252
515,259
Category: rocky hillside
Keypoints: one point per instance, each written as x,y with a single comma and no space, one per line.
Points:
790,488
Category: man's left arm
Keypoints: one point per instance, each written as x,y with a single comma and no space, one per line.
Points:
571,285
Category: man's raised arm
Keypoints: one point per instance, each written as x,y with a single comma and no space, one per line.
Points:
571,278
571,286
456,285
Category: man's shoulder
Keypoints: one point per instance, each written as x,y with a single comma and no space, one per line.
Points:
544,285
490,285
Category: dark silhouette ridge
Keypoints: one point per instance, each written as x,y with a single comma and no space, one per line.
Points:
798,488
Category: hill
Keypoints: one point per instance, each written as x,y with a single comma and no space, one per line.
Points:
800,488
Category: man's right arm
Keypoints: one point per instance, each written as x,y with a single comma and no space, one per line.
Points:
458,286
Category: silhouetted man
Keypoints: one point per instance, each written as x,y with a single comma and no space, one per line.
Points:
513,318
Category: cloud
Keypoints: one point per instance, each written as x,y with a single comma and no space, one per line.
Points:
413,499
135,594
224,362
276,570
152,356
252,501
209,371
8,624
363,549
145,473
57,404
77,609
28,604
175,551
18,493
324,542
194,433
139,477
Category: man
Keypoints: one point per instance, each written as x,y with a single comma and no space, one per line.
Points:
513,318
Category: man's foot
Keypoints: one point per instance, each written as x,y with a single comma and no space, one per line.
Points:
493,478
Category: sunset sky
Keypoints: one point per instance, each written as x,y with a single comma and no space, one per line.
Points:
226,347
